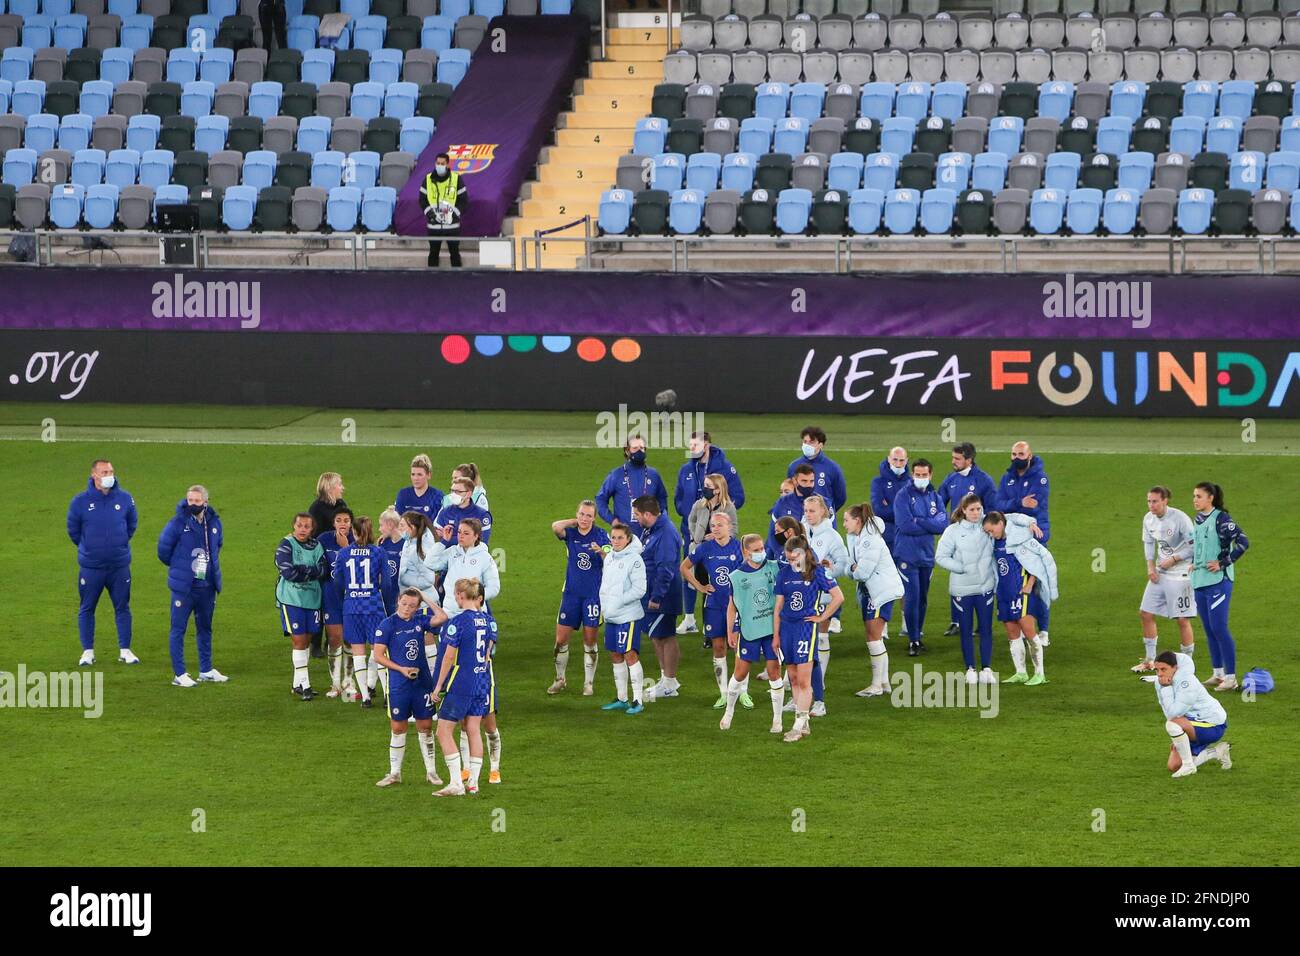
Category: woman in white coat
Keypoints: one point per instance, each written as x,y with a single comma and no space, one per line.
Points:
622,585
468,558
416,569
828,546
879,586
966,552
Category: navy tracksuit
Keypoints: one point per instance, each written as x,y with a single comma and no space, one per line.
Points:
186,545
1017,485
957,486
918,517
101,524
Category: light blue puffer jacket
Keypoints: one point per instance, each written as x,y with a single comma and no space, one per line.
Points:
966,551
623,584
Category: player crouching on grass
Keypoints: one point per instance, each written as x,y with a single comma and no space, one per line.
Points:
622,585
749,628
796,617
463,687
879,587
399,649
1019,590
1194,720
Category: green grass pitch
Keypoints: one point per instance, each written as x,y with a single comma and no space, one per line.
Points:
283,782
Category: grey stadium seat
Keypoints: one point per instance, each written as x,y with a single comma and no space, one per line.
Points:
1286,63
1069,65
975,31
679,67
59,160
47,65
149,65
783,66
842,102
961,66
968,134
1191,30
749,66
630,174
135,206
1047,32
982,100
765,33
835,33
940,32
1214,63
279,133
809,171
730,34
1157,31
1010,210
250,66
395,168
997,65
1121,31
1040,134
800,33
1156,213
346,134
1011,32
925,66
32,205
1264,29
713,68
701,101
309,208
1171,171
890,65
855,67
825,134
1260,134
231,99
1178,65
1079,30
820,66
720,135
108,133
1228,29
1251,63
1106,66
225,167
1033,66
696,32
419,67
1268,211
1142,65
1025,171
870,33
1092,99
128,98
332,99
906,32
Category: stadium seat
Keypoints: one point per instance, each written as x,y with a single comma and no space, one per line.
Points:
686,211
245,134
1210,171
452,66
913,100
668,172
974,212
650,211
1119,215
377,206
226,168
196,99
88,167
176,133
1114,134
1237,99
897,135
793,207
866,211
1268,211
844,172
1231,214
902,207
1046,211
615,211
938,210
738,171
1127,98
703,171
876,101
1246,171
1055,100
65,205
1061,172
949,101
1135,171
1194,210
880,172
989,172
122,167
134,206
100,208
1283,171
1223,135
416,132
1151,135
156,168
19,167
75,131
237,207
326,168
830,211
41,132
210,133
272,212
1004,135
1083,211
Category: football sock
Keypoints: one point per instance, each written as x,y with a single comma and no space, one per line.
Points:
359,667
801,720
590,657
1018,654
453,768
494,750
1218,672
464,747
475,768
720,673
777,693
428,752
1149,648
744,685
1036,649
636,675
620,679
1188,649
301,674
372,672
383,680
824,655
561,660
733,691
1182,743
879,663
396,753
336,666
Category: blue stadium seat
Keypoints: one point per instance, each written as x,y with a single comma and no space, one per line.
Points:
88,166
377,205
122,167
938,206
866,209
1083,212
436,33
142,132
1246,171
182,65
16,64
41,132
1062,171
880,172
314,134
452,65
51,8
897,135
793,206
368,33
75,131
756,135
367,101
1237,98
100,208
685,212
1127,98
702,171
1284,170
738,171
668,172
24,8
386,68
361,169
901,209
553,7
1046,211
1194,209
949,101
96,98
952,171
156,167
343,208
1223,135
317,66
169,194
302,33
1113,134
356,9
615,211
1005,133
1120,212
1295,211
415,135
1187,135
259,168
845,172
989,172
327,169
1290,134
28,98
123,8
38,31
197,97
807,100
650,135
216,65
264,99
399,100
1200,98
877,101
69,31
772,101
137,31
115,65
1135,171
790,136
489,8
454,8
913,99
6,92
237,206
19,167
210,133
65,205
201,33
1056,100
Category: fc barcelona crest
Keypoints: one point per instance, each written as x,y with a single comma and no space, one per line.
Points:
471,158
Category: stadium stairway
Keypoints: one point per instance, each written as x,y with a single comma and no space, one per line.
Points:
589,139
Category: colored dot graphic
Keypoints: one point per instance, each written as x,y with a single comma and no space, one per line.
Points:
1224,378
457,349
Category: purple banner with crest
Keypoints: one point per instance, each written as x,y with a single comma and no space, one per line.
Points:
499,117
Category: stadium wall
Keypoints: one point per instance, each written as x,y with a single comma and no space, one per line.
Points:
1050,345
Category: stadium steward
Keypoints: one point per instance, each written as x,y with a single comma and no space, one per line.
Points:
444,204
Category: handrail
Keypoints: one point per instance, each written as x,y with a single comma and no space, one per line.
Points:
603,26
538,233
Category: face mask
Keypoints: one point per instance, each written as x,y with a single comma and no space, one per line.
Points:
921,483
1020,464
637,458
108,481
697,454
898,471
456,499
808,450
440,169
406,536
801,491
709,494
758,557
197,509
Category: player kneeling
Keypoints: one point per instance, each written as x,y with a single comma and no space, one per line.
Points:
399,648
749,627
795,620
463,687
1194,720
622,585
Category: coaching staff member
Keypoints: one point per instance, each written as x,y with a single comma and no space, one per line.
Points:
101,522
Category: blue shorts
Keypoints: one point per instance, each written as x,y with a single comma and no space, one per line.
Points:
1207,735
659,623
869,610
1011,607
757,650
621,638
715,623
360,628
579,611
331,605
1035,607
408,698
299,620
798,638
457,707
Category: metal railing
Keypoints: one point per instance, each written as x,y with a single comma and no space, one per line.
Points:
541,236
